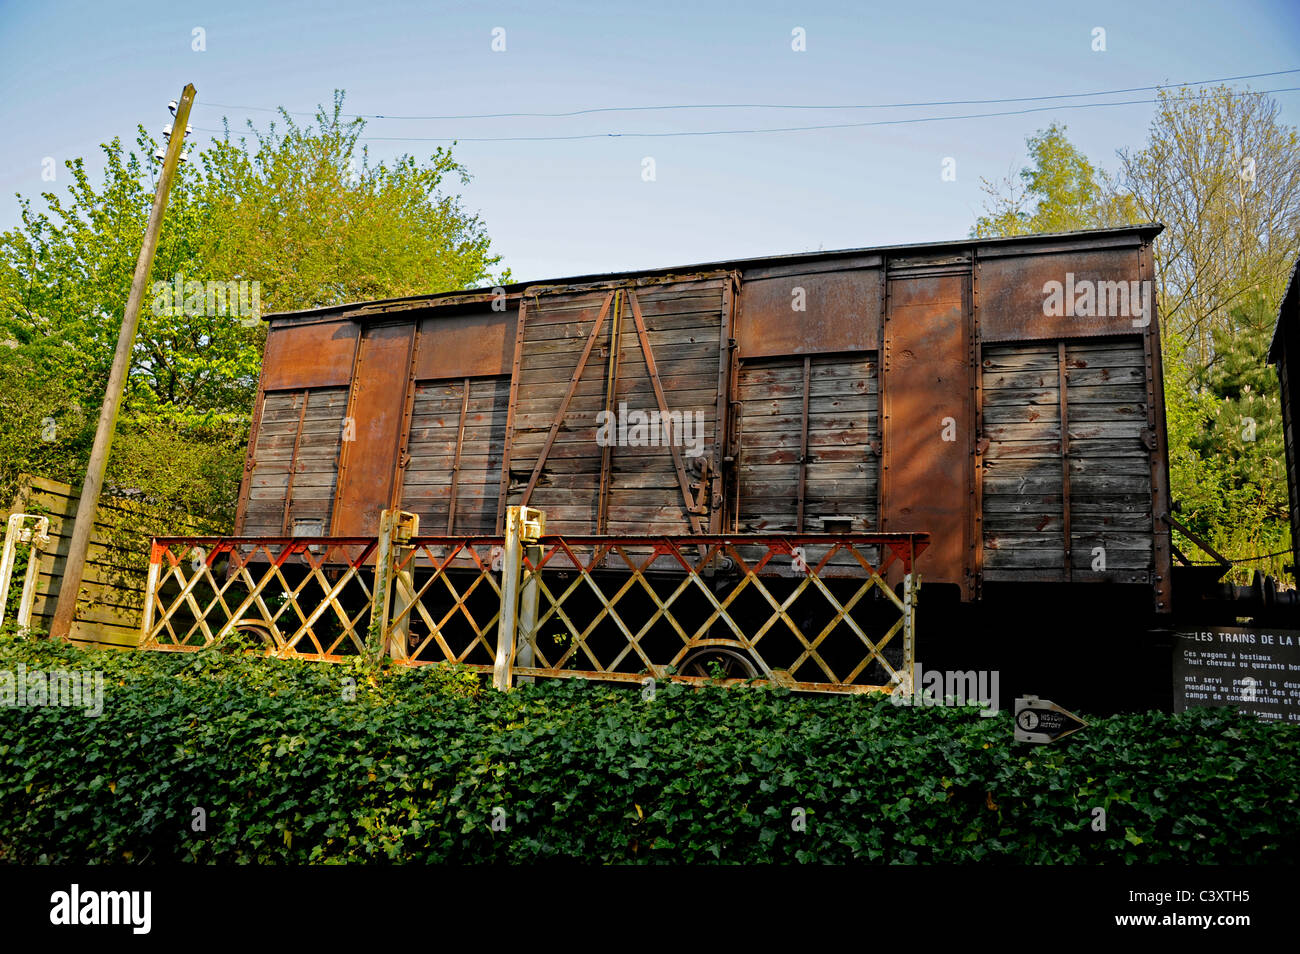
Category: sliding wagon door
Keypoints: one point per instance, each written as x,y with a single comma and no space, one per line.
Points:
649,362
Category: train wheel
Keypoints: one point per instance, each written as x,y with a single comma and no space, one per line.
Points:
735,664
256,632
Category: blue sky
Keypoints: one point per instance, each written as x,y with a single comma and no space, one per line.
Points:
73,75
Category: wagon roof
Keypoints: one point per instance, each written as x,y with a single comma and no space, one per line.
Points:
387,305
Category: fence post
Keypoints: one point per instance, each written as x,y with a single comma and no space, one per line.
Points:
395,529
511,554
911,582
39,538
404,590
403,582
150,589
523,525
7,560
529,600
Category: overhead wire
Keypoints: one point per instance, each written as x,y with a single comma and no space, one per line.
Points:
806,106
773,129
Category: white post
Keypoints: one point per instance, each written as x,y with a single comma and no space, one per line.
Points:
511,560
908,684
395,529
39,538
150,596
399,640
529,599
523,525
29,581
7,560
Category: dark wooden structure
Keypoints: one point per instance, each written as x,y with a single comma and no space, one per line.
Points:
942,387
1285,354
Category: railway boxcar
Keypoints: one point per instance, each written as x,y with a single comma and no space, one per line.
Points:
988,412
1002,394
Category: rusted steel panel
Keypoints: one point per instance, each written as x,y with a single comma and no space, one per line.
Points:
840,312
313,355
1071,294
367,472
475,344
403,457
927,479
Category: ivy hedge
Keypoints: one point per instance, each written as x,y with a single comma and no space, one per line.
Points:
217,757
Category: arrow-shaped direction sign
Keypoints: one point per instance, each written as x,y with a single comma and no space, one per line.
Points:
1041,720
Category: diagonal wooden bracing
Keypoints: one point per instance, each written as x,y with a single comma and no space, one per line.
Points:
653,371
558,422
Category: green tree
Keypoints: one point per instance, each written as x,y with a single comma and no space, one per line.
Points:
1232,480
1062,191
300,210
1223,175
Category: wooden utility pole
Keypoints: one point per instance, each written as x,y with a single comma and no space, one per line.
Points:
66,609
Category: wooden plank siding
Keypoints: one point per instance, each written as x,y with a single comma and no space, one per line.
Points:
457,437
295,463
809,460
1093,489
683,325
842,472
